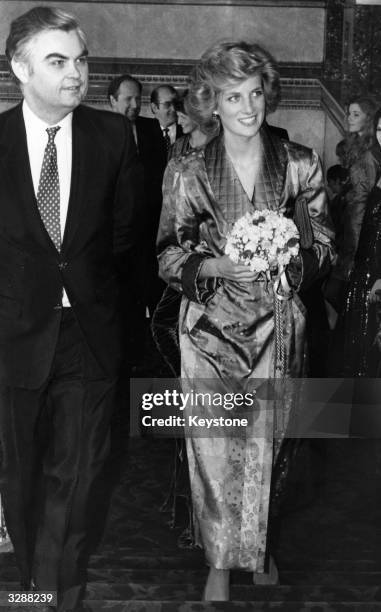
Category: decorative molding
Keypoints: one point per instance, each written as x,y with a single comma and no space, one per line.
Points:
333,108
99,66
164,67
295,92
301,84
275,3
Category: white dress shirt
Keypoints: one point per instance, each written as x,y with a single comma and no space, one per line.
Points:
171,132
135,133
37,139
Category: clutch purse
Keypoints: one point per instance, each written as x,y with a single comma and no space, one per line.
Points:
303,223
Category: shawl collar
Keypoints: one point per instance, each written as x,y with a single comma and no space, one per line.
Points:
272,171
225,183
227,191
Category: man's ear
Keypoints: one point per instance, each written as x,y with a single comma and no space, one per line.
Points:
153,108
21,70
113,102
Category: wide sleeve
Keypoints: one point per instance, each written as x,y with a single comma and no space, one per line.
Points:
180,251
363,178
315,261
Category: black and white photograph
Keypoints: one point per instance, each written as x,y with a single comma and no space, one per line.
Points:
190,305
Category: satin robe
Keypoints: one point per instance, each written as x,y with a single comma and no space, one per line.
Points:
227,329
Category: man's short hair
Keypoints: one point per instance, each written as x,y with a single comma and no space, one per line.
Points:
155,93
33,22
113,88
337,172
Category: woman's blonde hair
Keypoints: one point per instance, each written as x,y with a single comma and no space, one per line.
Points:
226,63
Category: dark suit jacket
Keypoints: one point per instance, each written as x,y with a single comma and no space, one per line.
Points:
100,230
152,151
153,156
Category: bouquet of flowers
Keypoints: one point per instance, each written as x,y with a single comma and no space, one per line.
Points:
264,240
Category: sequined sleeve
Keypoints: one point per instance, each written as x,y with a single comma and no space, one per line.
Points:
363,177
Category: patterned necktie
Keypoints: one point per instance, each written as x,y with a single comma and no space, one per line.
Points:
48,194
167,139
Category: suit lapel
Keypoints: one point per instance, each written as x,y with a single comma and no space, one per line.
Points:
17,173
85,154
143,144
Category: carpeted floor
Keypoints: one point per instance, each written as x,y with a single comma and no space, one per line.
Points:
328,550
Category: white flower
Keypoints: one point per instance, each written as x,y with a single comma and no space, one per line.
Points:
261,240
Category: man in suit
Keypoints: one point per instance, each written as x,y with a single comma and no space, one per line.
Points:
70,185
163,100
125,97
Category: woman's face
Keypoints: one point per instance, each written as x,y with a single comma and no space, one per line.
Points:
378,131
242,108
356,118
186,122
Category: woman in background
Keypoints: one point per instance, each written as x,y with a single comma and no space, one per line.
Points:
194,137
226,324
359,323
354,155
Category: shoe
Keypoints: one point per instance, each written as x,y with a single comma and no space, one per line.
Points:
217,585
267,578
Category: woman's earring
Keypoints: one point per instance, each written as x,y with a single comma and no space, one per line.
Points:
215,116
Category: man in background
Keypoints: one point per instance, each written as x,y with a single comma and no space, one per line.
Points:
125,97
163,100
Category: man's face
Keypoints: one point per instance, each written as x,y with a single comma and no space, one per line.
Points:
335,186
164,110
54,75
128,101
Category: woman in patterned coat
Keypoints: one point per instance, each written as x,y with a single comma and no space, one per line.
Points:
226,323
